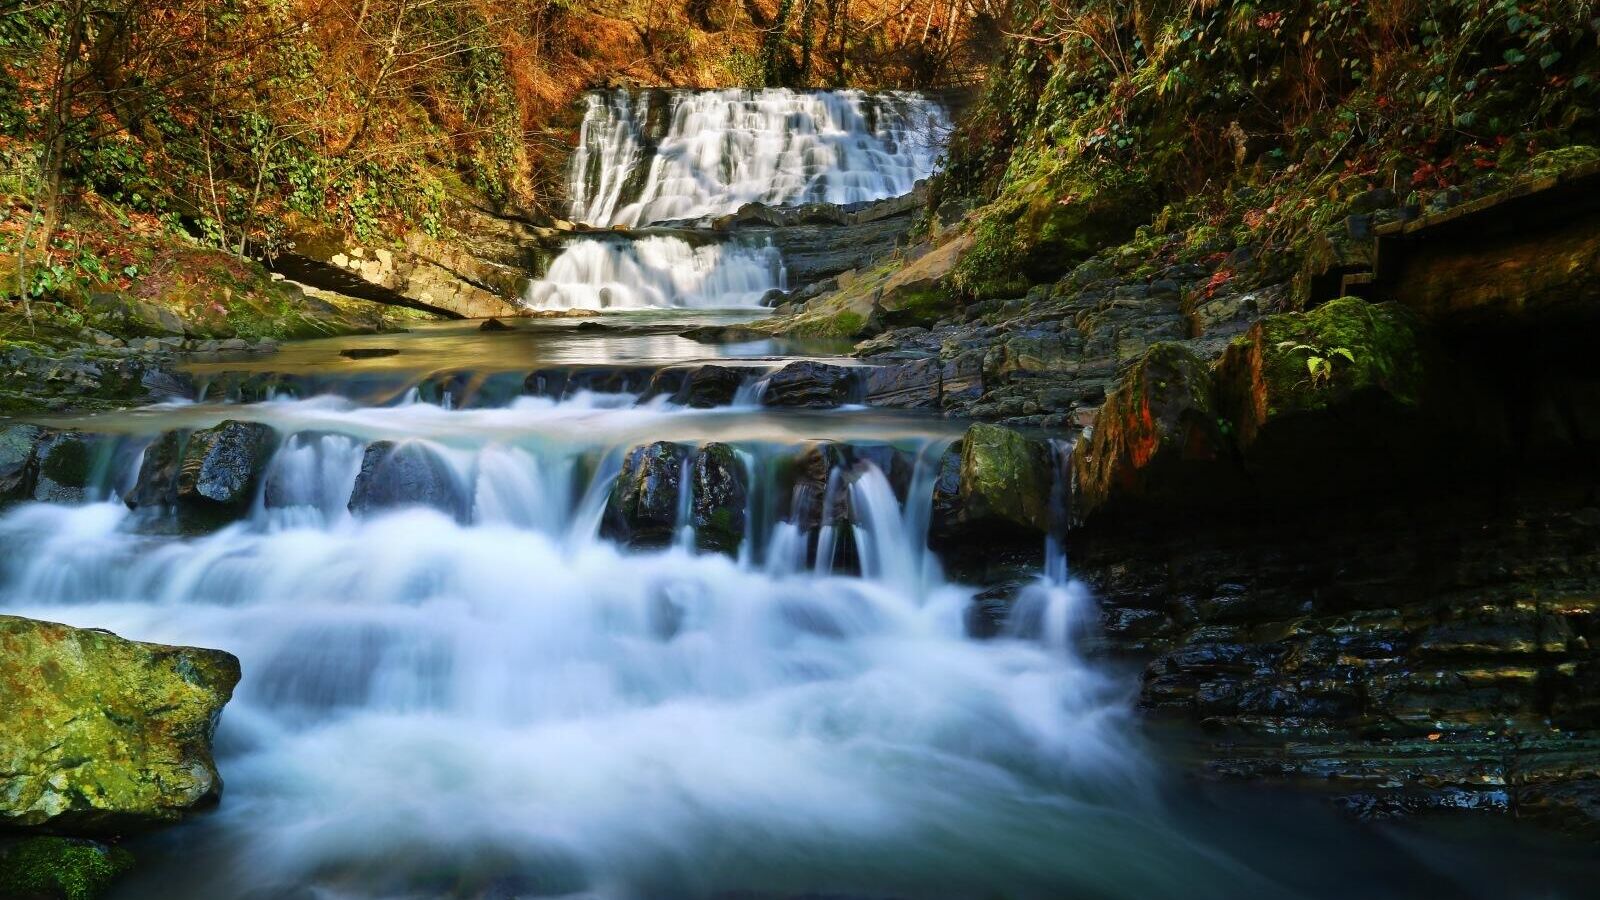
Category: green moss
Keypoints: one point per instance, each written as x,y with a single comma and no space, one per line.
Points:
61,868
1004,476
68,462
1554,162
1381,339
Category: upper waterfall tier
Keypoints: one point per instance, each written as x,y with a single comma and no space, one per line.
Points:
656,272
660,156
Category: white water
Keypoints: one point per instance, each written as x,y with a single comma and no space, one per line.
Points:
723,149
656,272
515,704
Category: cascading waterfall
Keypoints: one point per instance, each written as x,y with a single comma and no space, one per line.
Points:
568,716
658,271
718,151
722,149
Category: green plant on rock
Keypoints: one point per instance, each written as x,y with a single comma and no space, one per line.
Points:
1320,361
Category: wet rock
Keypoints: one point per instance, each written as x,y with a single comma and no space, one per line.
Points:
809,502
1154,438
710,386
811,385
65,467
996,480
395,475
908,385
643,508
494,325
719,484
157,484
59,867
104,734
368,352
17,459
223,465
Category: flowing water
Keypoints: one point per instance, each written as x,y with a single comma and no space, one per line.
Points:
483,695
657,156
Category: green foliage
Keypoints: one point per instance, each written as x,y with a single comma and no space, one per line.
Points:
1320,362
61,868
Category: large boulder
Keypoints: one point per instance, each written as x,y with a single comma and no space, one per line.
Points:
996,481
17,459
395,475
643,508
105,735
719,488
1343,355
1157,427
811,385
223,465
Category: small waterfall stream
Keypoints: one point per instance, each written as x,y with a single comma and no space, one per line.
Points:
717,151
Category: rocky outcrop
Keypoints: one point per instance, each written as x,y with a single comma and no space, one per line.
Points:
105,735
460,280
1401,657
1158,438
396,475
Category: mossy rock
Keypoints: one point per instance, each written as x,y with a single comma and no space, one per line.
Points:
105,735
718,482
66,464
57,868
1005,479
1269,375
1040,228
1158,430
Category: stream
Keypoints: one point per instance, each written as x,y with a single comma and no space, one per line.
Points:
487,693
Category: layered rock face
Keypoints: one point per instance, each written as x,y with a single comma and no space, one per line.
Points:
105,735
1357,550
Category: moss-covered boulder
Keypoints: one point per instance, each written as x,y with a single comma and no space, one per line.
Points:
1159,428
1344,354
719,488
1000,483
66,463
58,868
105,735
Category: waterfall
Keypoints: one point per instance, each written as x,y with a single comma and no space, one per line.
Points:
655,272
722,149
